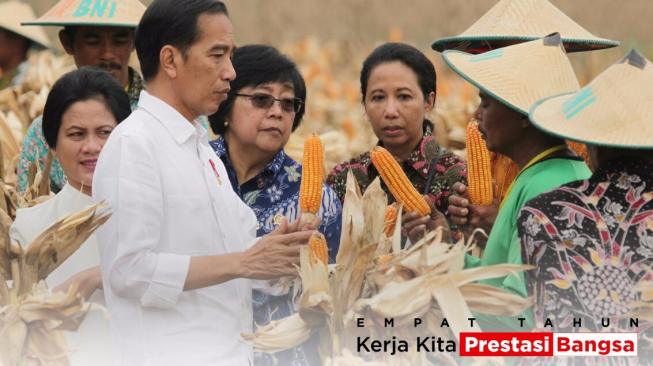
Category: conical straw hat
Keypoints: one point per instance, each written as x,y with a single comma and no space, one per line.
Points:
615,109
112,13
516,21
13,12
518,75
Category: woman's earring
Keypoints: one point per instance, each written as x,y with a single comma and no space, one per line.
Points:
226,123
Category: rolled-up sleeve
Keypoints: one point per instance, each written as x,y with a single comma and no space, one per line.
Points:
133,263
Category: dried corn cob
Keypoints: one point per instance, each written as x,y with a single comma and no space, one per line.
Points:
504,172
396,180
479,170
318,249
310,191
390,219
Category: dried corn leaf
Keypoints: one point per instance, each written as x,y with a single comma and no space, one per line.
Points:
30,330
58,242
490,300
353,221
315,302
5,224
488,272
401,301
375,202
453,306
279,335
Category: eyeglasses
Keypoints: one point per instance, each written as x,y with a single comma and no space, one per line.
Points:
265,101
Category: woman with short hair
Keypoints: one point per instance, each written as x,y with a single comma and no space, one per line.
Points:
265,104
81,110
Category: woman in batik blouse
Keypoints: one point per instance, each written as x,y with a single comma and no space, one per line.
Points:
265,104
591,241
398,91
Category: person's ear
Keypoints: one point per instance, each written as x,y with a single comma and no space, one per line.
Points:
169,58
66,41
429,103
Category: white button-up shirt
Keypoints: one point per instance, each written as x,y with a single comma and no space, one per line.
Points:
171,199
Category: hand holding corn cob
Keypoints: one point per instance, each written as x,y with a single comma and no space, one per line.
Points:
416,226
275,255
470,216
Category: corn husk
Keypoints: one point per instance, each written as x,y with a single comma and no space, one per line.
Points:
58,242
31,330
279,335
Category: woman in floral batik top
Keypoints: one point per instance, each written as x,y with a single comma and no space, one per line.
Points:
265,104
591,241
398,90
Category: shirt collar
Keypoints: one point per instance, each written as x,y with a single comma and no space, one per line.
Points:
272,168
177,125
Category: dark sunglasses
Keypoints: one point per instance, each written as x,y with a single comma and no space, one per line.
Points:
265,101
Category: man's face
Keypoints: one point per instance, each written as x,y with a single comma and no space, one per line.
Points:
204,72
108,48
500,126
11,44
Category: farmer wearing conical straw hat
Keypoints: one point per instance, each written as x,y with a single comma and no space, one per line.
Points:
592,240
16,40
510,80
510,22
96,33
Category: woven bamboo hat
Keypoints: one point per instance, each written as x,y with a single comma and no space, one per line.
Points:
615,109
518,75
114,13
12,13
516,21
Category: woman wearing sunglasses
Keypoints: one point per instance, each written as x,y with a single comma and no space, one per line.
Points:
265,104
398,91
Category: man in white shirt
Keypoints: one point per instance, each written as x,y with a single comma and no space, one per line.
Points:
178,252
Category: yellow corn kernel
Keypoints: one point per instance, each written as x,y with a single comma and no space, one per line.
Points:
390,219
310,190
395,178
580,149
479,170
317,249
383,259
504,172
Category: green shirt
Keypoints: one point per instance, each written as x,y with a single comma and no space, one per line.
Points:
503,245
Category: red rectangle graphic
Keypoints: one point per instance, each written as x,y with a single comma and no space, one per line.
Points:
497,344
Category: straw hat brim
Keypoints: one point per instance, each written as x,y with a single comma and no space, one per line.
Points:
629,135
614,110
452,58
612,131
518,75
63,23
14,11
119,13
472,42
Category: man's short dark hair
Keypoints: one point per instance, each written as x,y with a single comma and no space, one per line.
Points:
170,22
77,86
257,65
